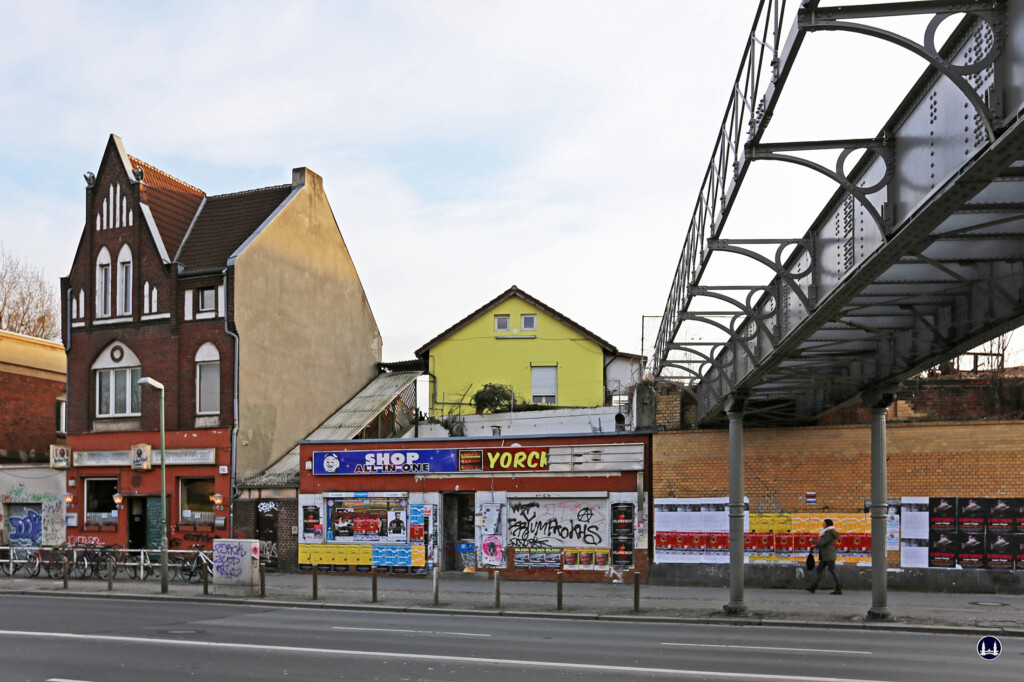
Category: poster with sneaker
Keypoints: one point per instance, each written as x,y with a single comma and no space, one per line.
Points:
942,513
1002,514
972,550
1000,549
972,513
943,547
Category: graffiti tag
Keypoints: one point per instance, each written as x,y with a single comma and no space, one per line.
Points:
566,523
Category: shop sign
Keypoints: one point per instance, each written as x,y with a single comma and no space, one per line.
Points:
471,460
347,462
103,458
60,457
516,459
142,457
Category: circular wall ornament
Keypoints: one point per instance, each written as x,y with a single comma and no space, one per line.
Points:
117,353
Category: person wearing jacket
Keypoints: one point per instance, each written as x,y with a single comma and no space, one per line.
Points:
826,544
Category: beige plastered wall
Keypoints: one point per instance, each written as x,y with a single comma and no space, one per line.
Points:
29,356
308,339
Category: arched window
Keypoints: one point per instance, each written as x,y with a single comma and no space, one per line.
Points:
207,379
103,283
81,302
117,370
124,281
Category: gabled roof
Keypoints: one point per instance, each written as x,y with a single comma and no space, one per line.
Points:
504,296
173,203
197,231
225,222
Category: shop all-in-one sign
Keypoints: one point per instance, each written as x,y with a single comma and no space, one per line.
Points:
432,461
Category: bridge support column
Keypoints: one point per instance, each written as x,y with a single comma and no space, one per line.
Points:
734,408
878,403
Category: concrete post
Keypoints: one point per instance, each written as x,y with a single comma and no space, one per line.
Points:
734,408
878,403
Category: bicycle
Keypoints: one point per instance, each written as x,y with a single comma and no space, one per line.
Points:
54,565
189,568
29,558
143,568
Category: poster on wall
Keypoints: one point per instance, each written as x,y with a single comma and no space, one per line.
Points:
622,554
490,519
1002,516
943,548
366,519
492,551
558,522
689,529
942,513
1000,550
972,513
972,549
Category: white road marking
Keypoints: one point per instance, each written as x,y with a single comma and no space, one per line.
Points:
767,648
64,679
413,632
517,663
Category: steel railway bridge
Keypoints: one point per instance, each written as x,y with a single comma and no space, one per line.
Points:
917,257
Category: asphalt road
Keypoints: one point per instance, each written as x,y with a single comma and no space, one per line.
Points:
81,639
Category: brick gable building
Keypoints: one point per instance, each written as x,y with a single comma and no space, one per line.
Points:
245,306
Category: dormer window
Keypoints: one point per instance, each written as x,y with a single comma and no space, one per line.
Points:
207,299
528,323
501,323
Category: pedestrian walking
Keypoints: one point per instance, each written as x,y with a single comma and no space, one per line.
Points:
826,544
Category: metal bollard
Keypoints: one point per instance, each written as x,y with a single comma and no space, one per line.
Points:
437,585
206,579
263,579
497,589
636,592
110,574
65,573
373,584
558,598
315,567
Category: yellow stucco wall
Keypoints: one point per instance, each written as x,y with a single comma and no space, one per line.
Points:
309,341
475,355
27,355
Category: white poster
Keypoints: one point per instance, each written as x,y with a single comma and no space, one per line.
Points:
914,518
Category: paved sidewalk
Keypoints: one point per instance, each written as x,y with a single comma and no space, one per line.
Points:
975,613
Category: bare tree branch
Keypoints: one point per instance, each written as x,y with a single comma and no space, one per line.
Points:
29,304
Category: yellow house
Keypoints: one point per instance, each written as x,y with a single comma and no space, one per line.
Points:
517,341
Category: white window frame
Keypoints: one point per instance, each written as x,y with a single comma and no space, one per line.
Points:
117,360
543,398
103,283
532,327
201,294
498,319
207,356
124,281
98,518
62,416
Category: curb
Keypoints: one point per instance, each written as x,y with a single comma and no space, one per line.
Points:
891,626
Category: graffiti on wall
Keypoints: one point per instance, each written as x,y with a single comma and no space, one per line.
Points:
47,520
26,525
557,523
228,558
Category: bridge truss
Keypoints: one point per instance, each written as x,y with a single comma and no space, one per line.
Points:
916,257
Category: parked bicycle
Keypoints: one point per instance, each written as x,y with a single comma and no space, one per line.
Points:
27,559
189,568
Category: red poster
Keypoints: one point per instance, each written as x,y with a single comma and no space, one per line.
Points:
784,543
717,541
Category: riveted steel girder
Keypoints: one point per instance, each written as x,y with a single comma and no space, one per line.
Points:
918,255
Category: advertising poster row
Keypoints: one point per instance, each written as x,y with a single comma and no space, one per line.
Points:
696,530
962,532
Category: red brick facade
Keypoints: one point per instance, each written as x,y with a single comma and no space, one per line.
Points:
28,423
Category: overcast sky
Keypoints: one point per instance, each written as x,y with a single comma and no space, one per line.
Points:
464,146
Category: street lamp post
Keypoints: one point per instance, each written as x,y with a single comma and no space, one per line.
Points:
153,383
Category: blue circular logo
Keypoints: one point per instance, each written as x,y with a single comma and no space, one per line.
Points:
989,647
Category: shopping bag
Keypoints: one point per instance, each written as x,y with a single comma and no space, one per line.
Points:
810,561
